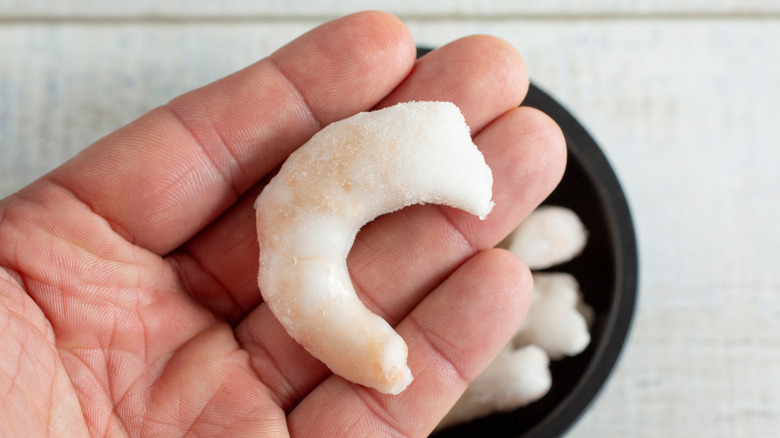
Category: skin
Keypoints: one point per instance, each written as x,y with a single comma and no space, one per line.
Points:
128,302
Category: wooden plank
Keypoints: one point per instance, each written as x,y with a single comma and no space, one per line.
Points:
441,9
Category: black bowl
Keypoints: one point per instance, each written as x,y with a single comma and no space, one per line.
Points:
607,273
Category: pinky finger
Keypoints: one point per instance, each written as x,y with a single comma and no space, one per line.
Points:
452,336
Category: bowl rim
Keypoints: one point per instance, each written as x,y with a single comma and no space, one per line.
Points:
625,285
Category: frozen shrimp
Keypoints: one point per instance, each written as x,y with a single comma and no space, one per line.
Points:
308,215
548,236
516,377
558,319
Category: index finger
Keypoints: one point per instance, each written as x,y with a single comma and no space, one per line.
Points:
162,178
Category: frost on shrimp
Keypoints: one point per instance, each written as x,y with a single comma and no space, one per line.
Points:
308,216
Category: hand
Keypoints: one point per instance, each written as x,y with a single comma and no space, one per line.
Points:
128,295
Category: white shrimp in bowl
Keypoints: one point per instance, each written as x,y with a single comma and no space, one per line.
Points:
308,215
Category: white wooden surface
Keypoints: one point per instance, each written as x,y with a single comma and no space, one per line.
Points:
683,96
431,9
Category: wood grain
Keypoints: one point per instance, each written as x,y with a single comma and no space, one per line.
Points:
432,9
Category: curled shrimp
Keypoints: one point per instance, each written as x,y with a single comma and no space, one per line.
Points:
308,215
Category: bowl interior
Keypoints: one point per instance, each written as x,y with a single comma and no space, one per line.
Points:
607,273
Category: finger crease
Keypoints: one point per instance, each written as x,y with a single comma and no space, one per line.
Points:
12,276
115,226
434,342
284,395
181,273
472,247
301,97
375,405
224,173
368,299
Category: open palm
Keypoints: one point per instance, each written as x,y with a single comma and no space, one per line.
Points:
128,295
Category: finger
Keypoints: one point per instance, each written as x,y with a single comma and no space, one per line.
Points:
160,179
452,336
483,75
221,263
219,266
399,258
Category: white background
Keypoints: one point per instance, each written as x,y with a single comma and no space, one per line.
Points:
682,95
